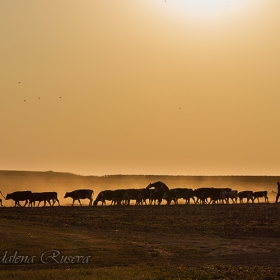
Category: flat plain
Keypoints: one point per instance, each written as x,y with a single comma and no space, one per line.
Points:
143,242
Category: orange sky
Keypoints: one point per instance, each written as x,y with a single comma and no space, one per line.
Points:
179,87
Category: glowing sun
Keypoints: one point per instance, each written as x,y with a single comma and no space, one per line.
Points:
208,7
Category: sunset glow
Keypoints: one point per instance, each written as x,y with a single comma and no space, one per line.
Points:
208,6
140,87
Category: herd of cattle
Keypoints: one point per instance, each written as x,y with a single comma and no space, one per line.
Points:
154,193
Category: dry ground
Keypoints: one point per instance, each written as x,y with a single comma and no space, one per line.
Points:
146,242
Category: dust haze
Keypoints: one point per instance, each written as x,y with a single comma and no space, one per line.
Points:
11,181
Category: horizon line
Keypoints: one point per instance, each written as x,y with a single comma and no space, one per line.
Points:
159,175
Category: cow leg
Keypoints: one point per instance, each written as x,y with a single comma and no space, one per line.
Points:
80,202
90,201
26,201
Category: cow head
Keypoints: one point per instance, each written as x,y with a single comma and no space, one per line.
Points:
66,195
8,196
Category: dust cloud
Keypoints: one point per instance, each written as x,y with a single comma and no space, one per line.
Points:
61,183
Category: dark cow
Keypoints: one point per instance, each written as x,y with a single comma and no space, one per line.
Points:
260,194
233,196
80,194
20,196
176,194
103,196
170,195
202,194
46,197
159,189
226,195
189,195
180,193
217,194
121,197
137,195
146,194
245,194
278,193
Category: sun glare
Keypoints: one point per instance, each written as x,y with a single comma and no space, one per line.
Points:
208,8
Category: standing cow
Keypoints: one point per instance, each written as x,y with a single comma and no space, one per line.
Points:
103,196
260,194
80,194
159,189
137,195
20,196
245,194
121,196
46,197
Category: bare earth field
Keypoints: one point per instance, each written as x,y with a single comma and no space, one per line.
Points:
144,242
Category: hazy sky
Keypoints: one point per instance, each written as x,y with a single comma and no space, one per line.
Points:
182,87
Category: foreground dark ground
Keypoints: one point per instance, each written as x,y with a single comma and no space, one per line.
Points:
145,242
